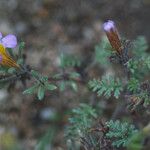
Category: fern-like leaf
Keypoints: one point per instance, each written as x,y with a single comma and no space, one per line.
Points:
107,86
120,133
80,121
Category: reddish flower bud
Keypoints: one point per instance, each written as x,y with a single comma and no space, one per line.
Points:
112,35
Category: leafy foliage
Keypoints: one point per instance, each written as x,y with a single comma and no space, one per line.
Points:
69,60
102,52
107,86
141,58
140,46
46,140
146,61
81,121
133,85
145,96
136,141
68,80
120,133
133,66
41,85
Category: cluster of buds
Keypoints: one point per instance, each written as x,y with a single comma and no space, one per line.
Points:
9,41
113,36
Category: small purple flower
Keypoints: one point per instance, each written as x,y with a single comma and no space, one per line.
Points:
108,26
9,41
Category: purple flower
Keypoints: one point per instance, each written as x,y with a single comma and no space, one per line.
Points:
9,41
108,26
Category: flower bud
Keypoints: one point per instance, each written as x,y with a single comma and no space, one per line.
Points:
112,35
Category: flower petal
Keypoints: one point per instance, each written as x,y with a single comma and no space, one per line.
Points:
108,25
1,35
9,41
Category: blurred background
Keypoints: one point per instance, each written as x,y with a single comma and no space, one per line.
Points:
48,28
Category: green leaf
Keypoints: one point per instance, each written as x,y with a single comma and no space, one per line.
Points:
57,76
107,86
67,60
133,65
133,85
46,140
80,121
147,61
120,133
74,75
102,52
74,86
140,46
31,90
35,73
136,141
51,87
20,61
11,70
41,92
62,86
43,84
10,51
3,69
21,47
